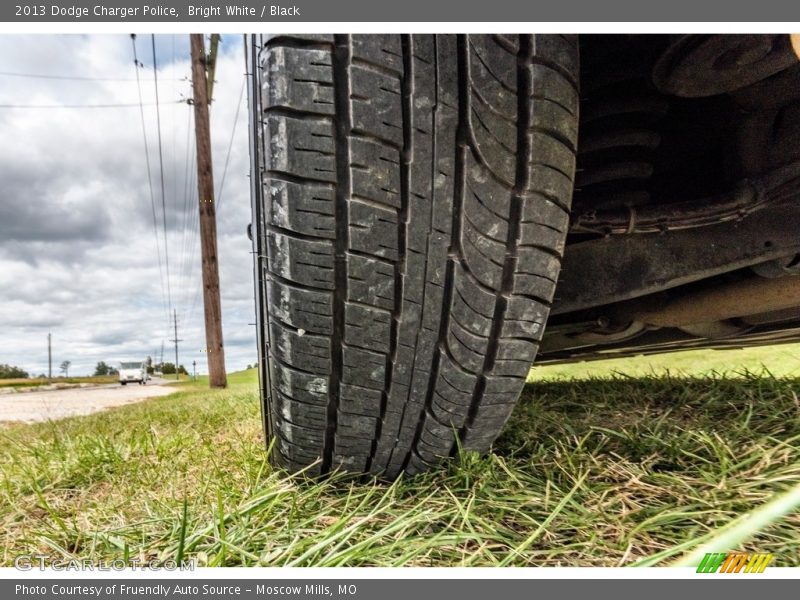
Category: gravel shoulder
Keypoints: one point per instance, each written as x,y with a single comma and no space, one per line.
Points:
32,407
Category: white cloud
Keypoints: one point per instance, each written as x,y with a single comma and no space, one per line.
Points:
77,247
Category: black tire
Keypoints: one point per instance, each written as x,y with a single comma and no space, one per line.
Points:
123,382
415,199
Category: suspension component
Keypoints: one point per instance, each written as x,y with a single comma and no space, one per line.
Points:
747,197
619,135
707,65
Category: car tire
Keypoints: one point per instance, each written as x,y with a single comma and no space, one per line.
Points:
414,210
123,382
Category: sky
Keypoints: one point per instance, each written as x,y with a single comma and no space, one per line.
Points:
78,253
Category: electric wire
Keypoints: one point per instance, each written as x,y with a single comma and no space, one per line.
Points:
149,175
230,145
188,217
183,214
195,240
111,105
64,77
194,244
161,171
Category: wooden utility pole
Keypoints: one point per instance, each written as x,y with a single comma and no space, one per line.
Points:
49,360
208,214
176,340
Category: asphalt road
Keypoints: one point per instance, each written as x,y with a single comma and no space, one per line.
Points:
31,407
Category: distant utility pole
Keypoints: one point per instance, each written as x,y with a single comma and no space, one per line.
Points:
194,370
202,81
162,355
49,359
176,340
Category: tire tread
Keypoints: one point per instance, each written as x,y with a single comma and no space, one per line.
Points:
417,190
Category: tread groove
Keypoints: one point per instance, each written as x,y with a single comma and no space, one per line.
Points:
407,94
522,179
341,70
459,180
433,170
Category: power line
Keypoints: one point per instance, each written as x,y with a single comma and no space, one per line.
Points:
230,145
193,218
194,236
193,240
69,77
161,170
149,172
187,232
184,213
173,121
130,105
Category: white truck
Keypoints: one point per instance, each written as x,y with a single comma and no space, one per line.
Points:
132,372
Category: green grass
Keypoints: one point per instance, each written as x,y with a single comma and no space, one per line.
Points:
779,361
617,470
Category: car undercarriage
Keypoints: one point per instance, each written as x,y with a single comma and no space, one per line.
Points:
685,226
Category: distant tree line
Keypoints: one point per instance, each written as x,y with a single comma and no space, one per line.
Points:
103,368
168,368
11,372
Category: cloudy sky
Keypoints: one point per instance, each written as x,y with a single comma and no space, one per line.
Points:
78,255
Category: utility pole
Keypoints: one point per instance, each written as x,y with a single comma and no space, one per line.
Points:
49,359
176,340
202,76
194,370
162,356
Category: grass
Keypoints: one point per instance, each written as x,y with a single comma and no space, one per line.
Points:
778,361
601,471
172,377
38,381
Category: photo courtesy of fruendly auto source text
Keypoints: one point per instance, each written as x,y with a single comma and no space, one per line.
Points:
365,300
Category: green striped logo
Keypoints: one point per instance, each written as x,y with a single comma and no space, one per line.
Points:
734,562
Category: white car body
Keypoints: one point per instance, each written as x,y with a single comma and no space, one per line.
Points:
132,372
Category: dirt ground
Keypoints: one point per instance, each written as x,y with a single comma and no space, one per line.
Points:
30,407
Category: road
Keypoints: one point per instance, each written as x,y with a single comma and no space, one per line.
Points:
31,407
